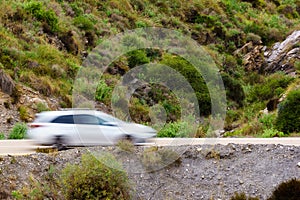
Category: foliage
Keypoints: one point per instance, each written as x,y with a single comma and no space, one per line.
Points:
18,131
267,133
272,87
93,179
2,136
193,77
38,10
288,190
41,107
136,58
288,119
177,129
23,111
242,196
126,145
103,92
234,89
154,159
84,22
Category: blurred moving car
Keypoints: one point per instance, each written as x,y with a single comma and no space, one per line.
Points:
84,127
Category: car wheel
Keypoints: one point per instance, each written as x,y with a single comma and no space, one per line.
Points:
59,143
126,138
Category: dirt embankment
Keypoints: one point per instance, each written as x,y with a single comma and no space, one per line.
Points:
205,172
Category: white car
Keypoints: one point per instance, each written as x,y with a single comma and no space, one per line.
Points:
84,127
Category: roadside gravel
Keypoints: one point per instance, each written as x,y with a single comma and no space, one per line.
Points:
205,171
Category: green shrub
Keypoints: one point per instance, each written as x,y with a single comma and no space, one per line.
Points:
193,77
42,14
23,111
177,129
288,119
83,22
41,107
242,196
288,190
270,88
2,136
103,91
268,133
154,159
234,89
126,145
136,58
267,120
93,179
18,131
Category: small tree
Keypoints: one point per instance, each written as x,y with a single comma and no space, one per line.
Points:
288,119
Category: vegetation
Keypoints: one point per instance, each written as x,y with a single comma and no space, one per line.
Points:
92,179
43,44
2,136
288,119
18,131
154,159
242,196
288,190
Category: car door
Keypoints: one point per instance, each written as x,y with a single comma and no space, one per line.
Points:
92,131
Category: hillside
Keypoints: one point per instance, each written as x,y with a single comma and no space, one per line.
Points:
43,44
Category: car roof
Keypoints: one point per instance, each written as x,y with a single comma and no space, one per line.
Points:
50,115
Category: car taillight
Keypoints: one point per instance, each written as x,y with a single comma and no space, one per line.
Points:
35,125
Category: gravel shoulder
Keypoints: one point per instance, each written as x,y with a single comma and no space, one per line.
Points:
205,171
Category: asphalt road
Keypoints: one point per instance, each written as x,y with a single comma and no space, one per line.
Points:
23,147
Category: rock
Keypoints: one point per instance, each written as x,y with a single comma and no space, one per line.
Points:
298,164
7,85
281,57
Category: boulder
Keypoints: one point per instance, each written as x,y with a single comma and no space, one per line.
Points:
7,85
281,57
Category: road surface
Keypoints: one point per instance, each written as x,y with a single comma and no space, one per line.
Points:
23,147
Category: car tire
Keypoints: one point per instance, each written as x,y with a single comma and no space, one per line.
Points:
59,143
127,138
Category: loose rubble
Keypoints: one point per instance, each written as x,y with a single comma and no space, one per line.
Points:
253,169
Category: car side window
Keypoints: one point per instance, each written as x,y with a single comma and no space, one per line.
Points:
66,119
86,119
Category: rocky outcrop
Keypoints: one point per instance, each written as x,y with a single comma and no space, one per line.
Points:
281,57
7,85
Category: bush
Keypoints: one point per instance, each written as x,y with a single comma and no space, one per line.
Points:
242,196
288,119
103,92
84,23
177,129
234,89
136,58
18,131
92,179
42,14
23,112
270,88
41,107
2,136
267,133
289,190
154,159
193,77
